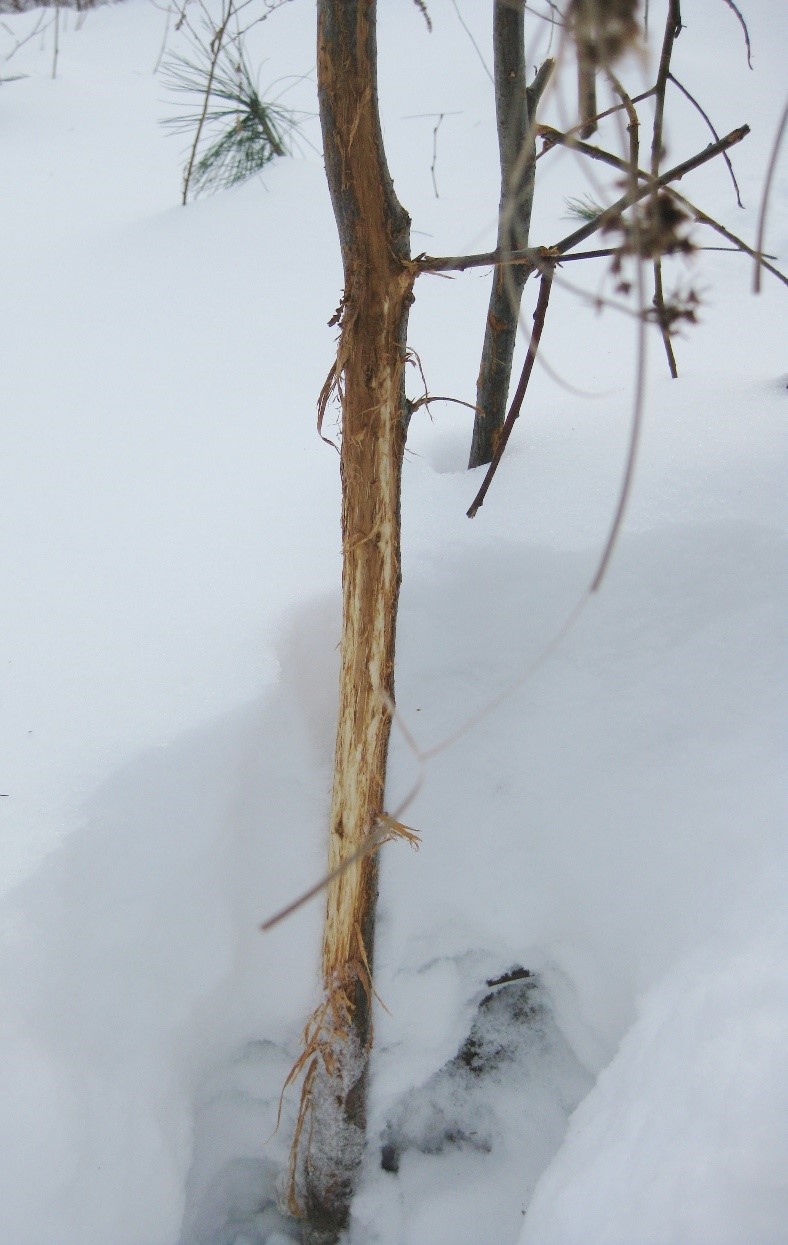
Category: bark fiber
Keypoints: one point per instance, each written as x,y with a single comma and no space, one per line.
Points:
374,234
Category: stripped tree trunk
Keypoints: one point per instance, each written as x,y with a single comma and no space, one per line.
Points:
374,234
517,179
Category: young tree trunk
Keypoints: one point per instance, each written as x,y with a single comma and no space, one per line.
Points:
374,234
586,97
512,113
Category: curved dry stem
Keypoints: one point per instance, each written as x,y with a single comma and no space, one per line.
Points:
778,138
517,400
710,124
735,9
634,442
427,398
216,43
386,830
469,33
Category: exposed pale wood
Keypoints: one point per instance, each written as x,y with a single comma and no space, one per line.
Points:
374,232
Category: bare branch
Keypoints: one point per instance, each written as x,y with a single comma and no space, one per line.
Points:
632,129
533,258
435,153
596,153
672,32
421,6
517,400
707,119
704,219
634,445
765,199
469,33
608,112
535,91
672,175
163,48
217,40
659,308
376,839
743,24
43,20
558,138
428,398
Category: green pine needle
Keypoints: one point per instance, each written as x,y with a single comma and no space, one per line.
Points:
585,209
241,133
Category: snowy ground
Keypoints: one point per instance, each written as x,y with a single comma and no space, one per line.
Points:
170,572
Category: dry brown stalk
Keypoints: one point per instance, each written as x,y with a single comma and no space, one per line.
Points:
765,199
672,32
517,401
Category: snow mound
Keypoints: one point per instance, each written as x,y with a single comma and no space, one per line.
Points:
690,1120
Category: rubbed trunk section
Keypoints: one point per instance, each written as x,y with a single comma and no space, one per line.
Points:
374,233
512,106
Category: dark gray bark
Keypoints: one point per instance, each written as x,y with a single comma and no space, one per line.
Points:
513,106
586,97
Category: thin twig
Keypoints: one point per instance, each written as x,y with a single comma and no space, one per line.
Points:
422,7
56,49
632,129
427,398
386,828
165,36
596,153
708,121
215,48
20,43
607,252
604,252
672,32
533,258
659,306
765,198
435,154
373,841
743,25
536,90
522,385
608,112
634,442
638,401
555,138
704,219
469,33
554,17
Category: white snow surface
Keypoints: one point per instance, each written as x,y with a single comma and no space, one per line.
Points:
608,811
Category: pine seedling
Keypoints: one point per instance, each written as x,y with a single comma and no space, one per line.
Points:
584,208
236,132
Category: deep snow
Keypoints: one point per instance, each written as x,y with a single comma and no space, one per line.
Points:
170,569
